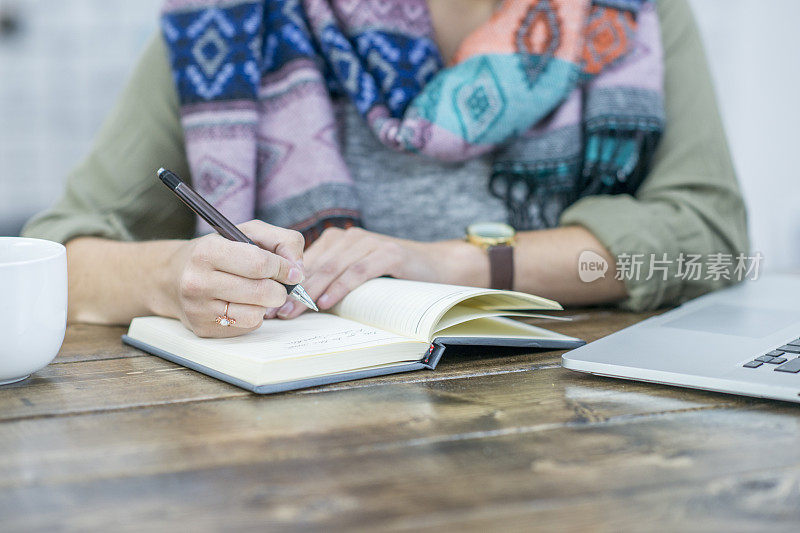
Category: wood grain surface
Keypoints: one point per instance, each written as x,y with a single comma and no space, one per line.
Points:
109,438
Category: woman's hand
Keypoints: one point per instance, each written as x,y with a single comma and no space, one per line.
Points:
210,271
341,260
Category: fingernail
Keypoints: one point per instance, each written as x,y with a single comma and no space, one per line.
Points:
286,310
323,300
295,275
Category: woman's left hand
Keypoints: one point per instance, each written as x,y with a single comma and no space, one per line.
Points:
342,259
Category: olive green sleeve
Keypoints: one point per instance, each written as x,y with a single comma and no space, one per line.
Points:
114,192
690,202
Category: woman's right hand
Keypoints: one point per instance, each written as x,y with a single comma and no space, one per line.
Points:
206,273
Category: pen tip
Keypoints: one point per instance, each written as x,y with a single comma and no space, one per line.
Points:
160,171
301,295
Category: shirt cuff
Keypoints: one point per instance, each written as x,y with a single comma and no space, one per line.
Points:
629,229
64,227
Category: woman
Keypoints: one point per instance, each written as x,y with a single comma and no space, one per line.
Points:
380,130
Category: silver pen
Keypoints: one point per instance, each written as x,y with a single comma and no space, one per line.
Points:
224,227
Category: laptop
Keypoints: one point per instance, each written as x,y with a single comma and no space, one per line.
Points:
741,340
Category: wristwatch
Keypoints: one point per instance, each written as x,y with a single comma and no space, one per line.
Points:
498,240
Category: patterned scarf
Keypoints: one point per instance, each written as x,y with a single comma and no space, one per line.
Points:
566,96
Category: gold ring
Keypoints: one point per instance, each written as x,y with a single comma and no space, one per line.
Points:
225,320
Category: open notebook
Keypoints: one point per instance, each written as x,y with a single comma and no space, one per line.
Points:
383,327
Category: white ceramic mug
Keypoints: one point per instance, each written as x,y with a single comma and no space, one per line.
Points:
33,305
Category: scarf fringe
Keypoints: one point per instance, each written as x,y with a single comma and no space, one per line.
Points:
616,160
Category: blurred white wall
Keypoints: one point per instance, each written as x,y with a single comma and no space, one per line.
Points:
756,66
62,72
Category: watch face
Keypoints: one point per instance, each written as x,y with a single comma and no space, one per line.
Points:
491,230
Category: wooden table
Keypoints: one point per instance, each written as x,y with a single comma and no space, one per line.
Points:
108,438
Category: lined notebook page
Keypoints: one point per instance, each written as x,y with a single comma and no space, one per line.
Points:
462,313
412,308
501,328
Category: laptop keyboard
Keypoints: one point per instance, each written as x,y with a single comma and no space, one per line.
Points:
785,358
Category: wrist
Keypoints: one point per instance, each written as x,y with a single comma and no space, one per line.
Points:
161,294
462,263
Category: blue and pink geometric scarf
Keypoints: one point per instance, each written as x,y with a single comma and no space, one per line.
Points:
565,95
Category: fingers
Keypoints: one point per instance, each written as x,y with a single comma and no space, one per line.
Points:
215,270
247,317
328,267
334,263
241,259
331,239
343,261
374,265
263,293
200,291
286,243
202,319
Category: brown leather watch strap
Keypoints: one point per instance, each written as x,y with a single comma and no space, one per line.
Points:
501,267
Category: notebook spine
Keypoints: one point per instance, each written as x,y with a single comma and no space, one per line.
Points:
434,354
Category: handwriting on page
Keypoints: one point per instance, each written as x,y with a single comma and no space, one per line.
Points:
346,337
308,334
